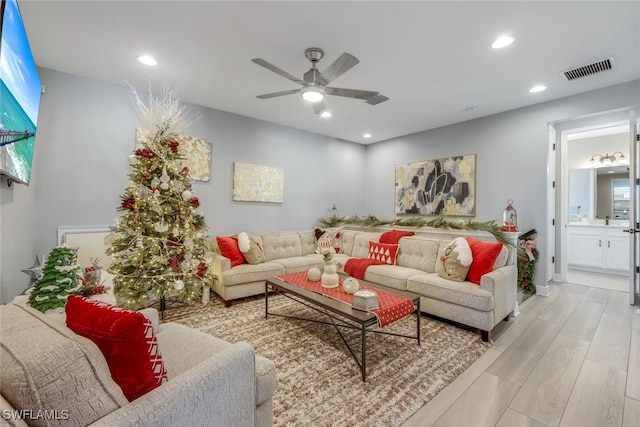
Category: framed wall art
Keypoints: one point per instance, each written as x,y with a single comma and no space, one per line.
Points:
196,153
433,187
254,183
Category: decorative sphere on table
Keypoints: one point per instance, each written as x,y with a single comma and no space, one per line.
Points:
314,274
350,285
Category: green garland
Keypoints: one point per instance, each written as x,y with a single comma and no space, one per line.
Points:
526,271
417,222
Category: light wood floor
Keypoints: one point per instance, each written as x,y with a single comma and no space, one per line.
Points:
569,359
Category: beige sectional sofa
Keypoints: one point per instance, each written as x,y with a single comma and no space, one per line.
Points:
51,376
480,307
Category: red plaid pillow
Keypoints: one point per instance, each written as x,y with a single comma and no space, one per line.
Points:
125,338
384,252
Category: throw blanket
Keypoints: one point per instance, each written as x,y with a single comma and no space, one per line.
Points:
356,267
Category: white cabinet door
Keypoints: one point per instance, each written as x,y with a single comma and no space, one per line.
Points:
617,250
586,246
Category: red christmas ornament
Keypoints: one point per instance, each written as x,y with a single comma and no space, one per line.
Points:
147,153
185,171
173,145
202,269
194,202
129,203
173,263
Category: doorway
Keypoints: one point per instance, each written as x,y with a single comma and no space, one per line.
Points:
591,205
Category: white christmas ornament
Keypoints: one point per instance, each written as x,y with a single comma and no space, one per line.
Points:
164,177
164,186
155,182
186,194
161,226
132,159
179,285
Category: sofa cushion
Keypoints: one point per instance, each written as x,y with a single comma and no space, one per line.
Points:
393,276
502,258
484,256
360,247
419,253
281,245
461,293
229,249
251,250
247,273
308,242
184,347
300,263
126,339
384,252
45,366
454,260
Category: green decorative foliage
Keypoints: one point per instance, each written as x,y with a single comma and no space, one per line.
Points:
58,281
527,266
158,246
417,222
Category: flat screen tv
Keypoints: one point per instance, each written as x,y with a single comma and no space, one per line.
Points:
20,91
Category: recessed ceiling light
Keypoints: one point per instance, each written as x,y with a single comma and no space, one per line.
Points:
326,114
366,135
538,88
147,60
501,42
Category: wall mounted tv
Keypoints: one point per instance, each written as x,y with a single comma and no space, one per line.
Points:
20,91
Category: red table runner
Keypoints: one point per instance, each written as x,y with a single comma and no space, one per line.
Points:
392,307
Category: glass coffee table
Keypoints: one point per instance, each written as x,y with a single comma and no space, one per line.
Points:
341,314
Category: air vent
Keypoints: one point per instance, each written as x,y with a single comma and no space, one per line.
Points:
589,69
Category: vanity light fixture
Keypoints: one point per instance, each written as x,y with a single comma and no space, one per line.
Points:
325,114
607,159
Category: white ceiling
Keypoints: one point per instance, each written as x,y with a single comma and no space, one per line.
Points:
432,59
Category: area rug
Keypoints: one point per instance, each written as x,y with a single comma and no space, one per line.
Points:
319,383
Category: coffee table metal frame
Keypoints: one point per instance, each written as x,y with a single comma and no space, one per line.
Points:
338,311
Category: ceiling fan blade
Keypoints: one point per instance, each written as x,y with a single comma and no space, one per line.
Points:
351,93
275,94
377,100
277,70
319,107
340,66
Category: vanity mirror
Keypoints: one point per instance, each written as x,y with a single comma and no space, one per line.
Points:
599,194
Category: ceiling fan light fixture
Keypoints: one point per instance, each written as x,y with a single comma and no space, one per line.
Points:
312,93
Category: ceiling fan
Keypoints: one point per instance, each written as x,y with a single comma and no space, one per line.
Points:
314,84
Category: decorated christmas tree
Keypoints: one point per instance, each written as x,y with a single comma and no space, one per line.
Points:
158,246
58,281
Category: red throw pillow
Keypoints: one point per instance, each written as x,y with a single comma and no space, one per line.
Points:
229,249
394,236
125,338
484,256
383,252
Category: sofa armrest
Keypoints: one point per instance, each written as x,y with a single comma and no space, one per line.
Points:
220,391
219,263
502,283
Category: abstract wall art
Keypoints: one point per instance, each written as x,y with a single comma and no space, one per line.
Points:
433,187
196,153
254,183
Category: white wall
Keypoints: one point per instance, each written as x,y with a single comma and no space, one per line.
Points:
86,131
512,153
